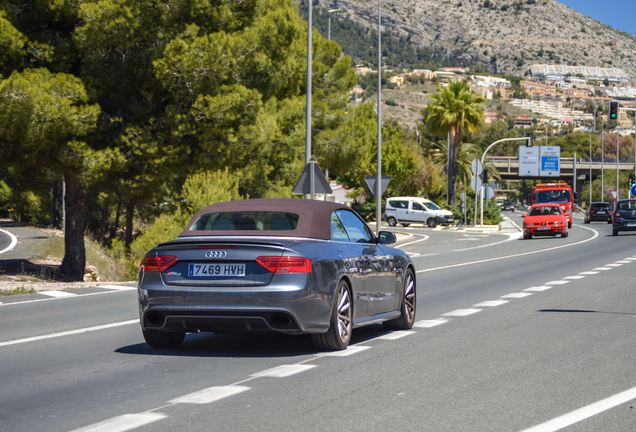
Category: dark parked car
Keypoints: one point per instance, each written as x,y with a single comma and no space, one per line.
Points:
599,211
293,266
624,216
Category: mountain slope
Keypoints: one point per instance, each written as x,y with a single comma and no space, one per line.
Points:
505,35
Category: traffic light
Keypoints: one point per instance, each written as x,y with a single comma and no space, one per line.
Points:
613,110
632,182
530,138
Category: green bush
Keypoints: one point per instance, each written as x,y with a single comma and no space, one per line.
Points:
199,190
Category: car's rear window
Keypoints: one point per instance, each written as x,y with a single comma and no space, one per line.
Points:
601,206
627,205
399,204
246,221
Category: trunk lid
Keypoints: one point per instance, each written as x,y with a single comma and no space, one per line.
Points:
218,263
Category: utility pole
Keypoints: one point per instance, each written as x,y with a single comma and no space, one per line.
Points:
308,102
378,181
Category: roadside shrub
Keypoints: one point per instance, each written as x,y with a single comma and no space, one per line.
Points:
199,190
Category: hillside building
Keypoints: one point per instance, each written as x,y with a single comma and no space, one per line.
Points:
559,72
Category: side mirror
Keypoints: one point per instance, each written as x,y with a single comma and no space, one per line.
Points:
523,216
386,238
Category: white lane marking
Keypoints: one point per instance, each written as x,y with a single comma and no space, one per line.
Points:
585,412
623,262
424,237
413,254
574,277
538,288
209,395
613,265
491,303
602,268
118,287
510,237
14,241
123,423
396,335
68,333
283,371
461,312
57,294
557,282
52,298
429,323
596,234
630,259
347,352
589,273
517,295
467,239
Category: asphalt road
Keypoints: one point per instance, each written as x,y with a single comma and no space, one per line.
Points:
511,334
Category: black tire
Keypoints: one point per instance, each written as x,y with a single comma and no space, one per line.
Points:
157,339
569,224
609,221
587,221
405,224
392,221
615,232
527,236
565,234
408,307
341,323
431,222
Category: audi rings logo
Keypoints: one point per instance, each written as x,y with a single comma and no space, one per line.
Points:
215,254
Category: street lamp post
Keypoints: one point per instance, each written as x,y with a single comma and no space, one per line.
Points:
308,101
602,161
483,186
591,153
330,11
378,181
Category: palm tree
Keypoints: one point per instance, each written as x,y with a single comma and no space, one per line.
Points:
453,109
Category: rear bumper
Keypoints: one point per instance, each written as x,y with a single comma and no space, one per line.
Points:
292,309
624,225
599,218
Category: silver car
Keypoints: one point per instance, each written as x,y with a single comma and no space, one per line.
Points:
285,265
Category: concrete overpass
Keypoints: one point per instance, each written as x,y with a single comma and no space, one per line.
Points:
508,167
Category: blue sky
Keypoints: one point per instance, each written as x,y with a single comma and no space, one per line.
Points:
620,14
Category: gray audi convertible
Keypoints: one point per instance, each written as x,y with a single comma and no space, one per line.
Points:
293,266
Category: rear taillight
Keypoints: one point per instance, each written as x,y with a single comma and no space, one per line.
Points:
592,211
157,263
285,264
617,215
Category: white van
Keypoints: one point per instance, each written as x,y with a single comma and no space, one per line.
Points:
408,210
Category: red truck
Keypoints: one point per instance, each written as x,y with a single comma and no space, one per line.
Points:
555,193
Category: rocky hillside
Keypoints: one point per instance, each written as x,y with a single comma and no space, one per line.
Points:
505,35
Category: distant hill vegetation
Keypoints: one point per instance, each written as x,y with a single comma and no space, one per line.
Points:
502,36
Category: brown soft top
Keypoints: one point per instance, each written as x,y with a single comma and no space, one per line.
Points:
314,217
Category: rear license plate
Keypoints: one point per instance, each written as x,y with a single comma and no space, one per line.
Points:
544,229
601,212
202,270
